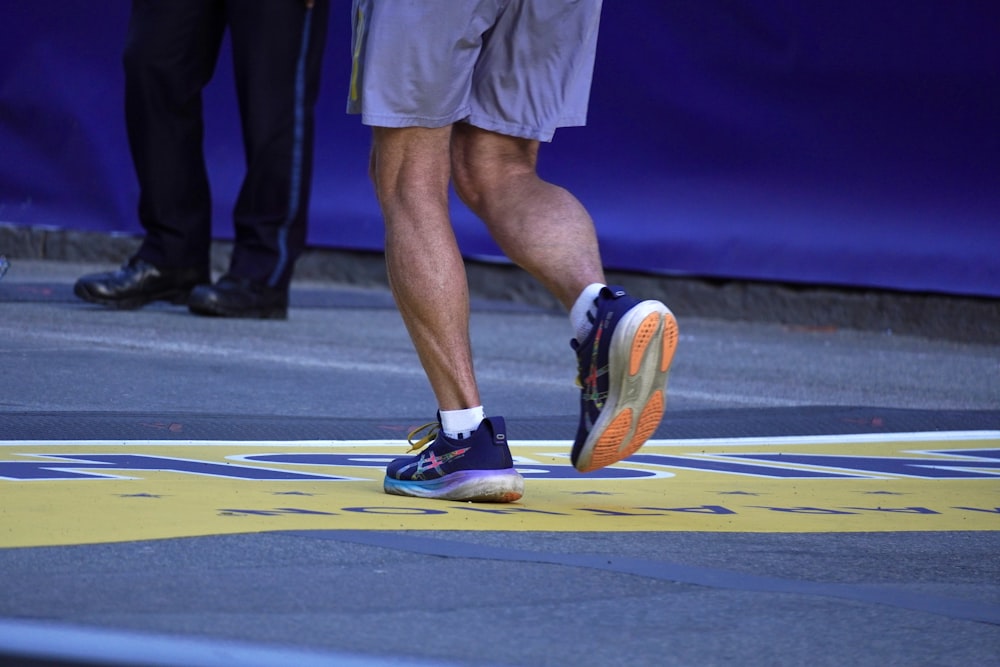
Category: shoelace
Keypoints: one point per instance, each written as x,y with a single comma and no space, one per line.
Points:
432,429
579,367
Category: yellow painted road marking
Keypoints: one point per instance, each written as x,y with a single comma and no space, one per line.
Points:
76,492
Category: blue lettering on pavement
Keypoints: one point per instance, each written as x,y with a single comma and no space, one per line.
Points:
977,464
528,469
71,466
947,464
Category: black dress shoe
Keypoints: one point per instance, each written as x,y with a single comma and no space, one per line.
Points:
239,297
137,283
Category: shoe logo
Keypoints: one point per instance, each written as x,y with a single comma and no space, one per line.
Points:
595,372
429,462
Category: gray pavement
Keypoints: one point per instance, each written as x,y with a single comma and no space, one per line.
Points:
342,364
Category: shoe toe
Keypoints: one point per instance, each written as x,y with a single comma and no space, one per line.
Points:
231,297
395,467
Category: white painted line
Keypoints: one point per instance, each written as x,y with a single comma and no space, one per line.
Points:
411,367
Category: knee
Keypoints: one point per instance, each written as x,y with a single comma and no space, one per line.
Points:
470,186
486,167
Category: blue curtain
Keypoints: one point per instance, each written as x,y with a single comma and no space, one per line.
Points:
833,143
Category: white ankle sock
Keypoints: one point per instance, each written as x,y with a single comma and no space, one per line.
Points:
460,424
582,315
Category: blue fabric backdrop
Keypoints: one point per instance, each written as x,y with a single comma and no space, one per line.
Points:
850,142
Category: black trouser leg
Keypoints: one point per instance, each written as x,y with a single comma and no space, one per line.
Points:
277,53
170,54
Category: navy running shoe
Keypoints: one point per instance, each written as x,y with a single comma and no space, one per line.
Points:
623,365
477,469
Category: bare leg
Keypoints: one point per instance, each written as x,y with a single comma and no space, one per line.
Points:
410,169
540,226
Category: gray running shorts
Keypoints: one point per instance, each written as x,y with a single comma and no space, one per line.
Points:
518,67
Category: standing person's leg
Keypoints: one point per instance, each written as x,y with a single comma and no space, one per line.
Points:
169,58
170,55
277,57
